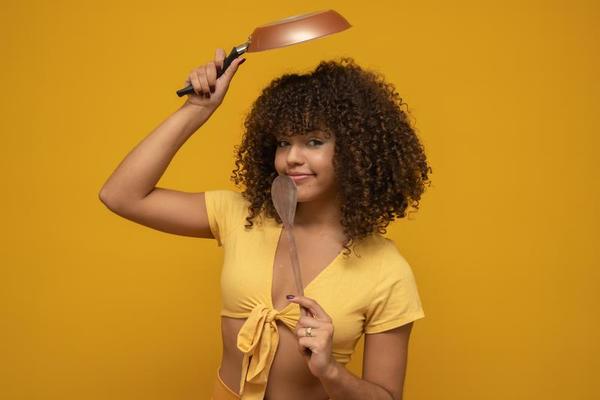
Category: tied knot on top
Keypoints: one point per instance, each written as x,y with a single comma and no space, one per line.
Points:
258,340
271,316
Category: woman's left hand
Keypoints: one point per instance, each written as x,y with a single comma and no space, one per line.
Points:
320,361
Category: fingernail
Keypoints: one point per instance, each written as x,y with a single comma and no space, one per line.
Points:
289,296
243,61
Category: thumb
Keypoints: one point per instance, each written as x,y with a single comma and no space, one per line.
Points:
230,71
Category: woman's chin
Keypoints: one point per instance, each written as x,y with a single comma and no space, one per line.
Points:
307,196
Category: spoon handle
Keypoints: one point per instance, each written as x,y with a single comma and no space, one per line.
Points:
295,261
297,275
295,265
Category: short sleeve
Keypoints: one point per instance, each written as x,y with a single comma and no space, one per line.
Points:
226,211
396,300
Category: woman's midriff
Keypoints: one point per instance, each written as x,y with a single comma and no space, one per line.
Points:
289,377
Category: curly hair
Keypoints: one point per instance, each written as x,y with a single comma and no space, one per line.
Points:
379,162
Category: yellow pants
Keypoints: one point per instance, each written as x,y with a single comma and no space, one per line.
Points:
222,392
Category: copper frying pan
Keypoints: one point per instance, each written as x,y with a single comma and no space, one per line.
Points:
285,32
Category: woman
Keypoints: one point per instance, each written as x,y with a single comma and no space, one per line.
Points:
340,134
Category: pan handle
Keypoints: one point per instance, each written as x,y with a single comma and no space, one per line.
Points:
235,53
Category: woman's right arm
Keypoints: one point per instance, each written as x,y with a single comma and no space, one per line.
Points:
131,190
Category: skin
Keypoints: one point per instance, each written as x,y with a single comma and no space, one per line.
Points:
319,237
312,153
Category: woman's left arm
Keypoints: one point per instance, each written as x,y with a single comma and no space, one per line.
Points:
384,360
384,369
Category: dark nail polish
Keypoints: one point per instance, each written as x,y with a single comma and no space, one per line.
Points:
243,61
289,296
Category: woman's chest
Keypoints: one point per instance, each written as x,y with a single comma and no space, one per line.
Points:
258,270
316,254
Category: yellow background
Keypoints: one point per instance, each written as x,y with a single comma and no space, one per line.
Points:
505,247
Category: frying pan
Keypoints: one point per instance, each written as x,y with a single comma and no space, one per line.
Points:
284,32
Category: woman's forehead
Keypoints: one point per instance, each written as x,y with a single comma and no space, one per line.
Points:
299,121
314,132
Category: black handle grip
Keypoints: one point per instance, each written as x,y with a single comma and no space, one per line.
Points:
226,63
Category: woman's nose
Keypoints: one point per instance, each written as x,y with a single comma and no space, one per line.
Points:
294,155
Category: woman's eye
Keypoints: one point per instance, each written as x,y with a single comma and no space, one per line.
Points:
311,143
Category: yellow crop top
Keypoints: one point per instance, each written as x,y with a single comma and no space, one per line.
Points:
371,293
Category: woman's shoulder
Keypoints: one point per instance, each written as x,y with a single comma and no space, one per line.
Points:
226,212
228,195
385,253
377,244
226,205
227,200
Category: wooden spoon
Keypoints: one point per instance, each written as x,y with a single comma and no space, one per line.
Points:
284,196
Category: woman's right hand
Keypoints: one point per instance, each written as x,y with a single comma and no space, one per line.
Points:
208,90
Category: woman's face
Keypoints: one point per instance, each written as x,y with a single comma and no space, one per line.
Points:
308,160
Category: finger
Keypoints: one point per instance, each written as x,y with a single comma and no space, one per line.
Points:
312,306
305,312
219,57
204,81
195,81
308,321
301,332
211,75
304,352
308,342
230,71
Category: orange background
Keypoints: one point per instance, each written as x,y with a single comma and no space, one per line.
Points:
505,246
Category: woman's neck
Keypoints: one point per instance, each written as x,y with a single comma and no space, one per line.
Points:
324,214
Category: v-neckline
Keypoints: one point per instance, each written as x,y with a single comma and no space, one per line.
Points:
278,233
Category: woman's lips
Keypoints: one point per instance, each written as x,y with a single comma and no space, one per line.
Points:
300,178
